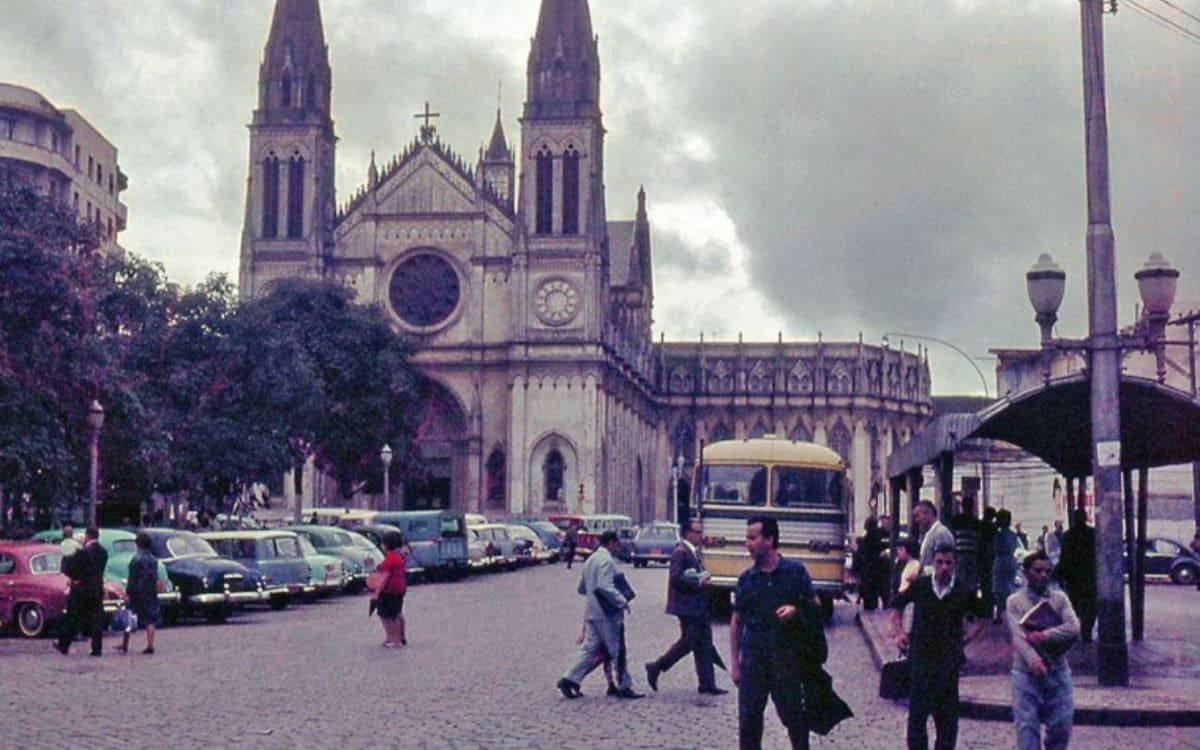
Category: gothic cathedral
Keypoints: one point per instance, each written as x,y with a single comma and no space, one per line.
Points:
545,391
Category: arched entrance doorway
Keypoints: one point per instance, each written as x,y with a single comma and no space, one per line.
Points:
435,464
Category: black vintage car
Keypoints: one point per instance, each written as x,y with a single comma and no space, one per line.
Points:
209,585
1172,560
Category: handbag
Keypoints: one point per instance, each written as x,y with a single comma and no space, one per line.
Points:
895,679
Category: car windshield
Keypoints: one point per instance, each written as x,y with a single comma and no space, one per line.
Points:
306,546
338,539
521,532
421,529
43,564
452,526
124,546
657,533
362,543
180,546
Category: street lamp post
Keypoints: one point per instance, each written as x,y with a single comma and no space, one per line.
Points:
676,469
385,455
95,420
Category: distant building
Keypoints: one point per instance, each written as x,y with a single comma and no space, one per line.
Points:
532,309
60,154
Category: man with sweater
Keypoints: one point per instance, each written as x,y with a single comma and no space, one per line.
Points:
941,606
1041,677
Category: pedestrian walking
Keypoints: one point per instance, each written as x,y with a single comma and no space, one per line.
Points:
604,622
1076,571
687,599
1041,678
944,620
870,565
933,533
142,588
569,543
1054,542
769,653
85,602
389,591
1004,562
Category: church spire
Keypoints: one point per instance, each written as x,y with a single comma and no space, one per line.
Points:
497,150
295,78
564,65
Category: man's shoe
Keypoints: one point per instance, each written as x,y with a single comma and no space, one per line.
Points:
62,648
612,690
94,653
713,691
568,688
628,694
652,672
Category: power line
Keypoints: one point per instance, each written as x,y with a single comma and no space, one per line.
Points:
1164,22
1175,7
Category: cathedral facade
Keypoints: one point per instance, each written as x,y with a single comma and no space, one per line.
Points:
544,389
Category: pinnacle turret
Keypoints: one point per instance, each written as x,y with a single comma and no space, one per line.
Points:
295,78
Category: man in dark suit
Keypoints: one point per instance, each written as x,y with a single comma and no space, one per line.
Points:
687,599
85,603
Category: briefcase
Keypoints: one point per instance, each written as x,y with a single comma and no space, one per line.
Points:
895,680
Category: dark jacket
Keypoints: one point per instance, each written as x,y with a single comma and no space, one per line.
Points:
685,597
143,581
85,568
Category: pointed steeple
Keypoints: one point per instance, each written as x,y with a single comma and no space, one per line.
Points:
295,78
564,65
372,173
498,151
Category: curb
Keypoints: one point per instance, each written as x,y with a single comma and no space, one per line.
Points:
986,710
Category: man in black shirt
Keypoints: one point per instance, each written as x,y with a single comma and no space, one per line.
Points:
940,605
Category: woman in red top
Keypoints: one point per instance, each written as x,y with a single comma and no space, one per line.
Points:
390,595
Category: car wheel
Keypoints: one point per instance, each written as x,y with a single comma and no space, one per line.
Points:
1185,575
31,621
279,602
217,615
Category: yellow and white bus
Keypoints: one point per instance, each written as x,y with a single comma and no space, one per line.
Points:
801,485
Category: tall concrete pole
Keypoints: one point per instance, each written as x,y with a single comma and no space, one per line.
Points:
1113,653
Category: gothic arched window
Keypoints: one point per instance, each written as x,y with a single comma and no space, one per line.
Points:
721,432
270,210
295,208
496,478
570,199
544,210
554,468
840,440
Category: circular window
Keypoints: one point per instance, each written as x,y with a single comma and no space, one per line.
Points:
424,290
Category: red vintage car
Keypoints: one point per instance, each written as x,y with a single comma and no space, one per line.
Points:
33,591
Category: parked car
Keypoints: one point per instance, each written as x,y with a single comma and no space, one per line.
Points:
480,554
550,535
375,532
654,542
330,540
209,585
325,571
504,547
534,548
1173,560
275,555
591,525
33,590
121,545
437,539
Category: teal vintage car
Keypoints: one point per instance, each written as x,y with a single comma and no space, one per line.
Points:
437,538
273,553
325,571
121,545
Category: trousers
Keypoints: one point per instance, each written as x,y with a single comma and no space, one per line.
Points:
775,676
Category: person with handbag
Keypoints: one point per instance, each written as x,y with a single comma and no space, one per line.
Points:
142,588
388,589
604,622
946,616
687,599
1041,677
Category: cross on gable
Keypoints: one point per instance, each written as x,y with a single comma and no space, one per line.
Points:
427,130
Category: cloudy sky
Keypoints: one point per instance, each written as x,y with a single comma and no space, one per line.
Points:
811,166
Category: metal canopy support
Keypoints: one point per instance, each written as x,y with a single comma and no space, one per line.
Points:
1138,603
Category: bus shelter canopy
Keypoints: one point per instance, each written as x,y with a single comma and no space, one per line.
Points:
1160,426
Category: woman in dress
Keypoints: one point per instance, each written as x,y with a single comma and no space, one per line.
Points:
143,593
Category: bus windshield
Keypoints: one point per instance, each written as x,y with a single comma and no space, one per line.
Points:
806,487
734,485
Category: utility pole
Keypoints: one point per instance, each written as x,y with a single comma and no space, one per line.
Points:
1113,653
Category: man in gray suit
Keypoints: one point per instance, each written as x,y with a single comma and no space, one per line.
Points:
604,622
687,599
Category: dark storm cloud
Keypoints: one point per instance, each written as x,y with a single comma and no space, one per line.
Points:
865,166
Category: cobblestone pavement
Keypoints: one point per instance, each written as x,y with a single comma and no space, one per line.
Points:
478,672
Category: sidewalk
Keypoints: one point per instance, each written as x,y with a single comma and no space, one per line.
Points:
1164,678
